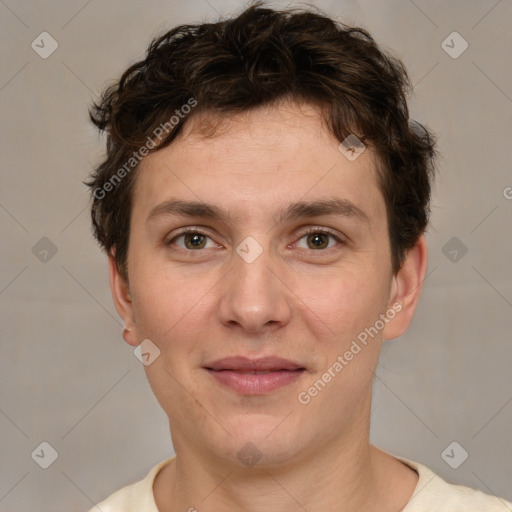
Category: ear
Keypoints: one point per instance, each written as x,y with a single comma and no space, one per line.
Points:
406,288
122,301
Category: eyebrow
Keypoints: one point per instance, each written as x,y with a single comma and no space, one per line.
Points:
293,211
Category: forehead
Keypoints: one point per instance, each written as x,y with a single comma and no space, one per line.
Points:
258,161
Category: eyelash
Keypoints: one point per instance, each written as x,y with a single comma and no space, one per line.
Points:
309,231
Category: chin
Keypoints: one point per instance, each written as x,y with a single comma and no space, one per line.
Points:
258,440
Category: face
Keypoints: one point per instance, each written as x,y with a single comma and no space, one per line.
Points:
268,301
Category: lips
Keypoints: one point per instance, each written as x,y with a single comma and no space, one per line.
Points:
254,376
244,364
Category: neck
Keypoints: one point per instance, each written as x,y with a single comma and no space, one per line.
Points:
345,470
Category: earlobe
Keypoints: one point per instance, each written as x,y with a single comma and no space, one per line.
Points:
122,301
406,288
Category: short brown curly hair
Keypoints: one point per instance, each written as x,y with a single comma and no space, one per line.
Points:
255,59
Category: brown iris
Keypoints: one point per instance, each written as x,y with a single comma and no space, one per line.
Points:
316,240
197,240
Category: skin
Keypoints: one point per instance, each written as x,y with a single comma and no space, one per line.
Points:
295,300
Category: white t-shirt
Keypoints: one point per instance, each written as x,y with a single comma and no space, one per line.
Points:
432,494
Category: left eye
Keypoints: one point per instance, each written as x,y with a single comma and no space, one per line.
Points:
319,239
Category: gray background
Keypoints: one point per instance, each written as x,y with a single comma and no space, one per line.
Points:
66,376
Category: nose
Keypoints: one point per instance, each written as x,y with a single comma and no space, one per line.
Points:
255,298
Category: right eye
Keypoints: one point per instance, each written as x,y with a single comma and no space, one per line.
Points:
193,239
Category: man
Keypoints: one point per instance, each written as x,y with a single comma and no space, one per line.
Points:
263,202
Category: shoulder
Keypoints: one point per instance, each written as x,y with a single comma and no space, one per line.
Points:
137,497
433,494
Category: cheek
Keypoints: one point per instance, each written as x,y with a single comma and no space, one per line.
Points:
173,311
341,303
159,305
